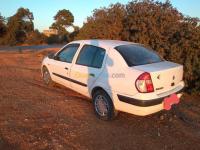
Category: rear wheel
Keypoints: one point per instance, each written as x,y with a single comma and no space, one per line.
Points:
47,77
103,106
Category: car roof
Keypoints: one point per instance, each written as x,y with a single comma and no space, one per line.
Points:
104,43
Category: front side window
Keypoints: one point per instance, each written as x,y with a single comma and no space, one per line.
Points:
135,54
67,54
91,56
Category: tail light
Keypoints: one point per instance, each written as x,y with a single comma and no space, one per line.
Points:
144,83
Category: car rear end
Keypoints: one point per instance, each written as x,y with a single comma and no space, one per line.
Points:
158,83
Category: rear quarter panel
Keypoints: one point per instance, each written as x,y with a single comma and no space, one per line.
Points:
117,76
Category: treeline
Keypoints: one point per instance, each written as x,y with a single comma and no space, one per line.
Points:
19,29
159,25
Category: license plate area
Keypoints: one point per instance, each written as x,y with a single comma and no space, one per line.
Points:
169,101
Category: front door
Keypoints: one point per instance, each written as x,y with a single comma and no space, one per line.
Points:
61,64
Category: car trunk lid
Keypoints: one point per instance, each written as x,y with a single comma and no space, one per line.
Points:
165,75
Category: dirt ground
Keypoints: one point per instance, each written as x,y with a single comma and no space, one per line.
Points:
34,116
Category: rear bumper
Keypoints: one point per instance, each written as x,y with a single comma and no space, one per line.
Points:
142,103
132,105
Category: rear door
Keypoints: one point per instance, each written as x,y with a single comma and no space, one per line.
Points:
87,68
61,64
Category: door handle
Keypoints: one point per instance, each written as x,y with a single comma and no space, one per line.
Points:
92,74
66,68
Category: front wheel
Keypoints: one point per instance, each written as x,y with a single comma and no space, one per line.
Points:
103,106
47,77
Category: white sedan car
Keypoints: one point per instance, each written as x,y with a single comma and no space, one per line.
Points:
117,76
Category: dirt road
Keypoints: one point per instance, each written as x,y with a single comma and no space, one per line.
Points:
34,116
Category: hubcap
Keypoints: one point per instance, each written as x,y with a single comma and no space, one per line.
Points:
101,105
46,76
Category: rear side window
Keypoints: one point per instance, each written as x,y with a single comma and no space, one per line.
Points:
67,54
135,55
91,56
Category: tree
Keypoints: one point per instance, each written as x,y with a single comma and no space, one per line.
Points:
105,23
73,34
63,19
166,30
53,39
35,37
19,25
2,26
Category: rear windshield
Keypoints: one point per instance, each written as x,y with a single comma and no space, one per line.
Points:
135,55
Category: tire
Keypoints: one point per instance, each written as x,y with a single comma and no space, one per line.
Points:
103,106
47,77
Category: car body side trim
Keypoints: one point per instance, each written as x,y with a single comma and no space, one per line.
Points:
69,79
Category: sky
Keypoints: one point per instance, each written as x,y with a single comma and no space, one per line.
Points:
44,10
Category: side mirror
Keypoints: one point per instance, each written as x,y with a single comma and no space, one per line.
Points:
56,57
51,55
